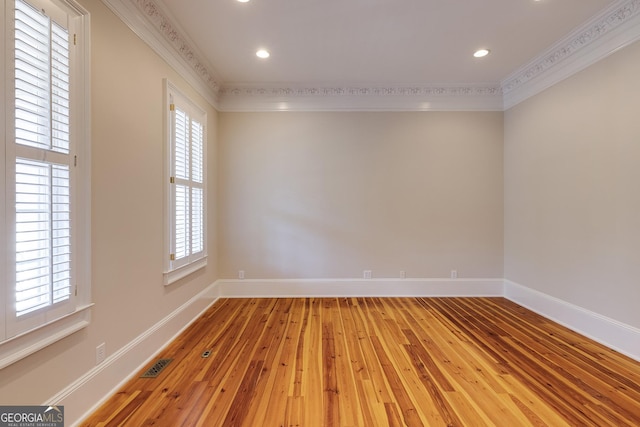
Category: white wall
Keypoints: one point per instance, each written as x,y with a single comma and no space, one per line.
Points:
127,213
572,198
328,195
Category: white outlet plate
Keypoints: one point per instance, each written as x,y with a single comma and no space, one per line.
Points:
240,274
454,274
101,353
403,274
366,274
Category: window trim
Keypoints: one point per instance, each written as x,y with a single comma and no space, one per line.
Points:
28,342
3,186
173,273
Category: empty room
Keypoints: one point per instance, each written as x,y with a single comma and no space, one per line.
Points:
316,213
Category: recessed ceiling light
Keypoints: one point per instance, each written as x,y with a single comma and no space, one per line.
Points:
262,53
243,1
481,52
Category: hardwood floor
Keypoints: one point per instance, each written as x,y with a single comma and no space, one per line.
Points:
380,362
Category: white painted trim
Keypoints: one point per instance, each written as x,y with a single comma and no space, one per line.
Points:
88,392
282,288
614,28
176,99
173,276
196,73
43,335
256,97
609,332
31,341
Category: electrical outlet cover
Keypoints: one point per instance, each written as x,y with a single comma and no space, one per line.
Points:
101,353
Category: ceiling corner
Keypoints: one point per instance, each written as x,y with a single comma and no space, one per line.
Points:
155,27
612,29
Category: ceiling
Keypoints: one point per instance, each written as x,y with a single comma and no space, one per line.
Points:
400,42
374,43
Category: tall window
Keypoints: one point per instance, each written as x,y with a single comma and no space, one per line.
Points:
186,167
42,161
44,148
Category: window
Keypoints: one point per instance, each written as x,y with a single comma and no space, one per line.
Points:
44,220
186,241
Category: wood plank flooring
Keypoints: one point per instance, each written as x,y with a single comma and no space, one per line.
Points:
380,362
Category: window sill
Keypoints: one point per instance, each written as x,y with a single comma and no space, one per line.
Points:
23,345
181,272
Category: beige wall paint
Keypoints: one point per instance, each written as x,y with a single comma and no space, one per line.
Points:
572,180
127,212
328,195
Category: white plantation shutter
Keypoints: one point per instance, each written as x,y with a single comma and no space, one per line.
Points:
197,190
43,238
41,80
181,172
43,230
197,220
45,216
186,241
181,220
40,159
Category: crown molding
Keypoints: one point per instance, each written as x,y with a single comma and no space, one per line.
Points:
249,97
614,28
149,21
610,30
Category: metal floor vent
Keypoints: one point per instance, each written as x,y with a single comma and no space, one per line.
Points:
157,367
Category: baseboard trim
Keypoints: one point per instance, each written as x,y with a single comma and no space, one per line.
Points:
283,288
87,393
609,332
